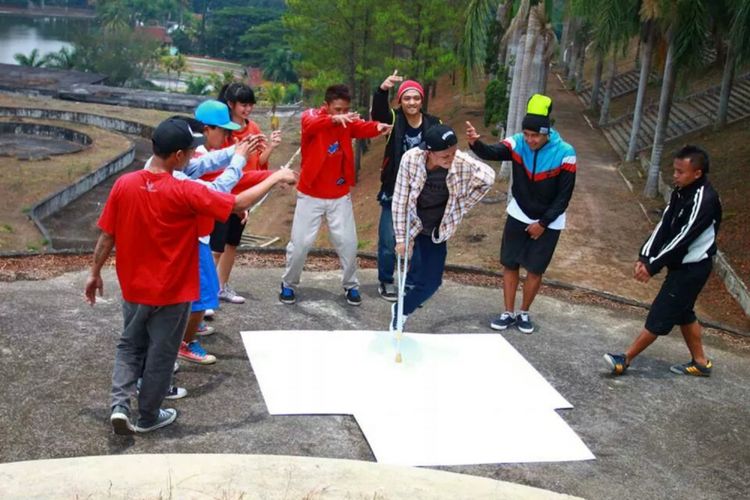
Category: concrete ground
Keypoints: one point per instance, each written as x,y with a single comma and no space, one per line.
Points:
654,434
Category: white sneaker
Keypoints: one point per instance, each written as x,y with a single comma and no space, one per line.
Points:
176,392
209,314
228,295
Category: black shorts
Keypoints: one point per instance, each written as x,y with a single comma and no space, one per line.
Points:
227,233
518,249
674,303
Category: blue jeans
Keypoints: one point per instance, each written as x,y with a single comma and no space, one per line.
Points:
429,275
387,247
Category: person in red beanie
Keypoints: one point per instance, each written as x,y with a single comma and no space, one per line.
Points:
326,176
409,124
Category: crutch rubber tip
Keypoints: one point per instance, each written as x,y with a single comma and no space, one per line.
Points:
398,358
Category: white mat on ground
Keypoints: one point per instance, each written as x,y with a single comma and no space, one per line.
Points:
458,396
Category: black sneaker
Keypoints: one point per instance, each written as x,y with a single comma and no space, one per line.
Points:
693,368
287,295
617,363
164,418
523,323
388,291
353,298
503,321
120,420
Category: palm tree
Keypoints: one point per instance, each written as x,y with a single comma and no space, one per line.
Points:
275,94
686,38
650,33
735,15
280,66
34,59
63,59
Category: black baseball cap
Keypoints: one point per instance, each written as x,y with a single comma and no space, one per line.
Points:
439,138
174,135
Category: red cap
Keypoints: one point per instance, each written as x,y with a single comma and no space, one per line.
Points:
409,85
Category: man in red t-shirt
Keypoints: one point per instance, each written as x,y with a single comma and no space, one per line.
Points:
326,176
152,219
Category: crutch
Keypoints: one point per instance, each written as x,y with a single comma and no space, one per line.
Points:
402,266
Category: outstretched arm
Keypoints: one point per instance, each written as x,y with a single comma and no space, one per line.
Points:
248,197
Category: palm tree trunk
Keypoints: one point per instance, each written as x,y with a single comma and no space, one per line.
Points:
597,85
537,68
604,114
726,88
564,43
665,103
515,82
527,79
503,17
646,53
515,88
580,61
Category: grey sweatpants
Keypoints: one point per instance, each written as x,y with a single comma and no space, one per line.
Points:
342,232
152,334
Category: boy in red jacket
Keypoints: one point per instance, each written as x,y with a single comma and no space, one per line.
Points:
326,177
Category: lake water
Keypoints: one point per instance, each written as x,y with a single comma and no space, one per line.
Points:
20,34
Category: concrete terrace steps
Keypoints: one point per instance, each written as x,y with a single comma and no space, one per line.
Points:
623,84
627,82
688,115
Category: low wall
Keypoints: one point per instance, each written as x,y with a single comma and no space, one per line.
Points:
60,199
37,129
101,121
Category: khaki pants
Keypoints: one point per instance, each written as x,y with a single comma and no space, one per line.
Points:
308,215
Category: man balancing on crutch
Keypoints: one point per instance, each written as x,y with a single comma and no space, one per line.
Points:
436,186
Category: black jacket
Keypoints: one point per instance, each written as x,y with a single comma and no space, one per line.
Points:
687,230
382,112
543,180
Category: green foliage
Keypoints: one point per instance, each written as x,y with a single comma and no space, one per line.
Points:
359,42
231,33
496,99
34,59
280,66
293,93
197,85
65,58
122,56
218,80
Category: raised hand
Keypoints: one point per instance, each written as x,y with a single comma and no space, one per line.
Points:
275,138
250,145
391,81
471,133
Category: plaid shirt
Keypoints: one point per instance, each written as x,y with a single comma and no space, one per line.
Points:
468,181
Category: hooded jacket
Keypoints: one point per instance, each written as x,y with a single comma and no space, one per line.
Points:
543,180
382,112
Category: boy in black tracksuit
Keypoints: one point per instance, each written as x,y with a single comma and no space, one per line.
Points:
409,124
684,242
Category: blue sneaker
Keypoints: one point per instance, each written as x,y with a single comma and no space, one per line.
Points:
393,325
120,420
503,321
287,295
353,298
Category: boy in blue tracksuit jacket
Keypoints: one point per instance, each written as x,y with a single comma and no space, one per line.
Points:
543,173
684,242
